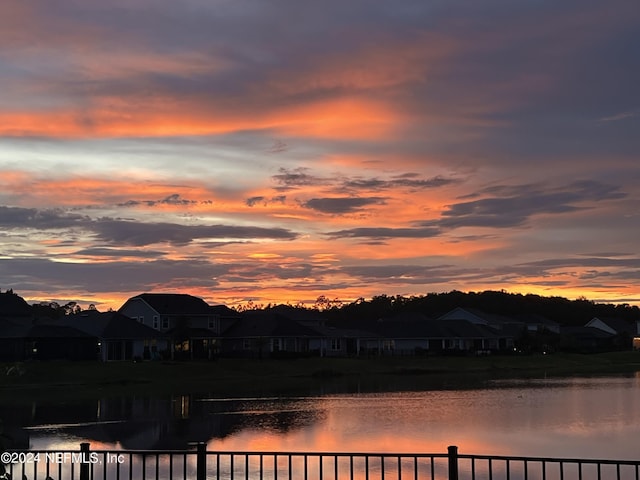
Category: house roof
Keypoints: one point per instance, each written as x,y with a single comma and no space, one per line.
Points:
109,325
494,318
298,314
618,325
585,332
467,329
534,318
21,329
410,328
223,311
175,303
268,324
57,331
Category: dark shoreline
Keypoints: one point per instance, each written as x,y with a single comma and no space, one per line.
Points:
61,380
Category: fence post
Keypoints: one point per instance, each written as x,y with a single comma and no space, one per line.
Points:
84,461
201,461
452,451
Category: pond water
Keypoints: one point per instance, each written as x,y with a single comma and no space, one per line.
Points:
596,417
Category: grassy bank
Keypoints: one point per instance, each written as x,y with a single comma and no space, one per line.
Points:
229,376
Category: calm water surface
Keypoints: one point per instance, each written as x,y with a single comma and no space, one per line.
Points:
569,417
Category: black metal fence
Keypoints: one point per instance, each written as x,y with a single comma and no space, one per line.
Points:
200,464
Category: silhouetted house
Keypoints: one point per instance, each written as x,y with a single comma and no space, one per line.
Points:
119,337
412,333
304,316
586,340
24,337
465,336
27,340
478,317
344,342
328,341
267,334
491,332
193,325
408,334
537,323
623,331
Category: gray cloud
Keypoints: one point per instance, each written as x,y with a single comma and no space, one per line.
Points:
253,201
519,203
298,177
403,181
301,177
18,217
341,205
44,275
584,262
139,234
128,232
174,199
514,209
383,233
119,252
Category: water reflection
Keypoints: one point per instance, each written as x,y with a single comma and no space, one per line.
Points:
576,417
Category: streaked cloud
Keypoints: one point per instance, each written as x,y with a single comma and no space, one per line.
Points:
520,203
381,233
341,205
127,232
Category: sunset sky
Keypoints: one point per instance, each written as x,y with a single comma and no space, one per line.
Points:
276,151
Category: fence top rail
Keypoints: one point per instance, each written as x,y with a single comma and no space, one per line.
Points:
194,451
549,459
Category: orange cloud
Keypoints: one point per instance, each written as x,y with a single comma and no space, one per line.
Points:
348,118
35,190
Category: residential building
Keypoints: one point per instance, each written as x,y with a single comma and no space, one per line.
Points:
193,325
264,334
119,337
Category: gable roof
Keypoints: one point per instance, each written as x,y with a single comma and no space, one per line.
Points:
224,311
30,330
410,329
467,329
617,325
299,314
175,303
107,325
536,319
479,317
585,333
